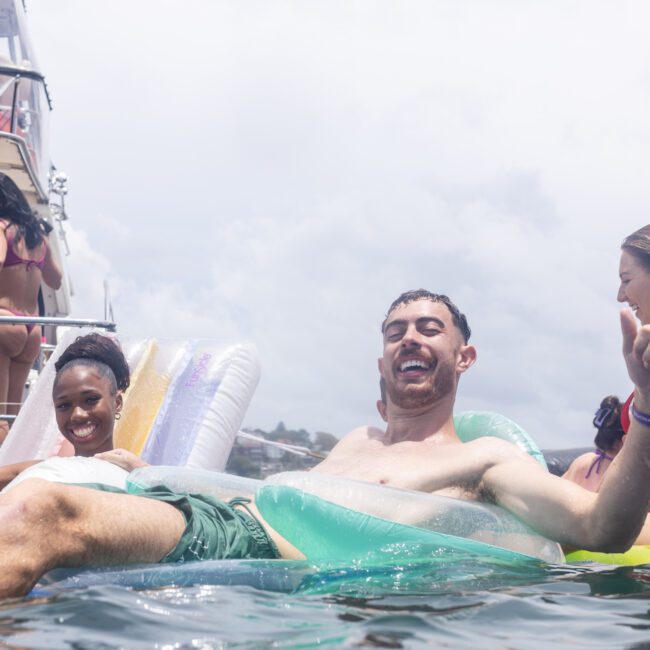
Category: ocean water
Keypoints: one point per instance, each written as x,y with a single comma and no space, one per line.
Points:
460,605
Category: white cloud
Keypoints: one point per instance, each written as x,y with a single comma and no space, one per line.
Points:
280,172
88,270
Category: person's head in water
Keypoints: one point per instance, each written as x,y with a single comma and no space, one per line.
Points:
425,350
608,422
91,376
634,272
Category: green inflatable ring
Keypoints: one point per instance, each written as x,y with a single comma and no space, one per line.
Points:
341,504
471,425
326,532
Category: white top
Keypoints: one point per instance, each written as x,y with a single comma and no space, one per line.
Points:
75,469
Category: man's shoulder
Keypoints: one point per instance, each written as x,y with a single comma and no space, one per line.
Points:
353,445
361,434
501,450
365,431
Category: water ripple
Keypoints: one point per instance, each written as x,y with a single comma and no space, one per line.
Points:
581,607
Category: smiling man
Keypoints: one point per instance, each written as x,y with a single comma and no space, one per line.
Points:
426,350
418,375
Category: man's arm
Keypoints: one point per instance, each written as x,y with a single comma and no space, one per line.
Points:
611,519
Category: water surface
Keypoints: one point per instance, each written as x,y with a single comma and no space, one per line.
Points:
521,607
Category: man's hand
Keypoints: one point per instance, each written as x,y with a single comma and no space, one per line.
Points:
636,352
122,458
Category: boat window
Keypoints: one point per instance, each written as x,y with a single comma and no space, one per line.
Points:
14,41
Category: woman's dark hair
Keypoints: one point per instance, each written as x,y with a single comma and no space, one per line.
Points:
101,352
608,422
14,208
638,244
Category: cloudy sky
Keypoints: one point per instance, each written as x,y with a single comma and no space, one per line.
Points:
278,172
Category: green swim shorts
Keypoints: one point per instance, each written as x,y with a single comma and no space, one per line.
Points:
215,530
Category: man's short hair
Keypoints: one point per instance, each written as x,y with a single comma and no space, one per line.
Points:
458,318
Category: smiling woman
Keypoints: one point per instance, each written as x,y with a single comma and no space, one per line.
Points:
634,272
91,376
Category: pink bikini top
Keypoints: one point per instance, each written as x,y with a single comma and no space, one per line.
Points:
12,259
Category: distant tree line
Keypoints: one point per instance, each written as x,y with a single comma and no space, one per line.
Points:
257,460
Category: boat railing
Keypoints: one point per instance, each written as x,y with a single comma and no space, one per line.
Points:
57,321
24,110
47,348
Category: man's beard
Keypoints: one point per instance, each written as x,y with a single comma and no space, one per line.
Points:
414,395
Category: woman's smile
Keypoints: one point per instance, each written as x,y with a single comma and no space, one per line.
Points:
85,403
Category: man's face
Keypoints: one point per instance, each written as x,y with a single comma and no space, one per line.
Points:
424,353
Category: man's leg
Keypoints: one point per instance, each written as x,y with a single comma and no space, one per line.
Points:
45,525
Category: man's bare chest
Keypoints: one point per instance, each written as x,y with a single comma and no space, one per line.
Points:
406,465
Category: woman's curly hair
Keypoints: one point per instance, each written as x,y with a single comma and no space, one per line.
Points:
101,352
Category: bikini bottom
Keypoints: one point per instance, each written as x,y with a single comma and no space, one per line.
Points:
28,326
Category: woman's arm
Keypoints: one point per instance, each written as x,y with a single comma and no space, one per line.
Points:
3,242
51,271
611,519
9,472
643,538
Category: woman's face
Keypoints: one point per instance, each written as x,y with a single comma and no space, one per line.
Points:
85,409
635,286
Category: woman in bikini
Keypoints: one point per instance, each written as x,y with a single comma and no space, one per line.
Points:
25,261
589,469
91,377
634,273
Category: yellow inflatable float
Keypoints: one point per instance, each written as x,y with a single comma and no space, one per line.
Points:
636,555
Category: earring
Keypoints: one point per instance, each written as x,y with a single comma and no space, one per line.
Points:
118,415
